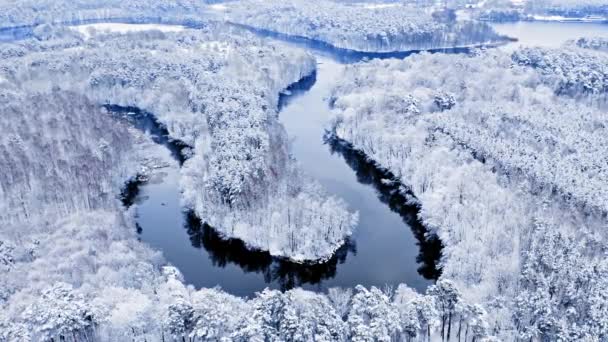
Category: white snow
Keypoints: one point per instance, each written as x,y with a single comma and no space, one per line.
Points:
505,153
35,12
218,46
378,6
559,18
86,30
71,265
218,7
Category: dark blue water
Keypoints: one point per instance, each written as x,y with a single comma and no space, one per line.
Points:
351,56
388,248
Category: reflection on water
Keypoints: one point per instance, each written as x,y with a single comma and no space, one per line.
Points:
389,246
148,124
388,250
297,89
222,252
213,261
233,251
387,232
392,193
351,56
285,274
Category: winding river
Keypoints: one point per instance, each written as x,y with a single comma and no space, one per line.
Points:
389,246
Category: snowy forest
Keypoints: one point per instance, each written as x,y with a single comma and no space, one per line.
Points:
593,43
236,181
502,154
35,12
539,10
517,198
356,27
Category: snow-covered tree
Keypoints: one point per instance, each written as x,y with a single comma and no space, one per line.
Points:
592,43
561,296
446,297
60,313
511,149
216,314
372,316
31,13
399,27
296,315
241,177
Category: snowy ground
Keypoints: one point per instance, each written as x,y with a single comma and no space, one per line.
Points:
124,28
218,7
35,12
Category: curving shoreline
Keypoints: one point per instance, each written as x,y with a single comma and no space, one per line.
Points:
213,257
